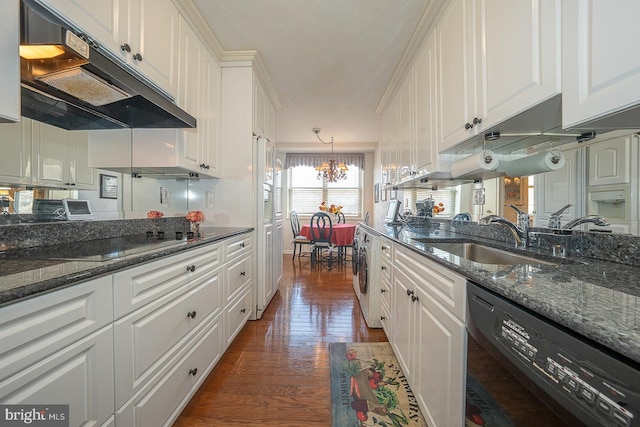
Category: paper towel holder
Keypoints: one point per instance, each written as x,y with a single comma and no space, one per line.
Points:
492,136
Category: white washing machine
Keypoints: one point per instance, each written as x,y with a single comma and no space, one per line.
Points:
369,277
355,250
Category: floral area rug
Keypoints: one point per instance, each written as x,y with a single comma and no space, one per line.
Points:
369,389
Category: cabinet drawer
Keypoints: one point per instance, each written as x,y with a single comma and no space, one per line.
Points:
385,291
446,287
385,320
35,328
238,273
385,269
161,401
386,249
144,338
80,375
135,287
237,315
237,246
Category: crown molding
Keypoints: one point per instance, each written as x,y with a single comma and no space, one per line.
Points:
251,58
189,12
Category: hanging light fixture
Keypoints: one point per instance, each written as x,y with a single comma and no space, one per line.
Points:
330,171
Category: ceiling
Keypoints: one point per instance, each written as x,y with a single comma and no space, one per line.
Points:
330,61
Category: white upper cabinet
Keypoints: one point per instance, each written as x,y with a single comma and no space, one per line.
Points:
600,71
15,162
264,113
495,60
143,33
10,83
608,161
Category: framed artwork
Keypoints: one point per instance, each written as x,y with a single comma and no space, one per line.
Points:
376,193
108,186
383,195
513,189
393,194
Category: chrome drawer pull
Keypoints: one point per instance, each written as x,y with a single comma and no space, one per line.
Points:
192,314
191,268
193,371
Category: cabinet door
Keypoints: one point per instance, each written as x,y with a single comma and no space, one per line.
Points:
209,117
80,375
277,253
405,127
50,151
440,363
454,35
426,104
403,321
15,162
236,315
190,93
155,37
10,83
259,106
517,71
599,76
608,161
81,176
99,19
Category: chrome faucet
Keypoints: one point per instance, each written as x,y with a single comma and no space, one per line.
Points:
520,231
593,219
554,218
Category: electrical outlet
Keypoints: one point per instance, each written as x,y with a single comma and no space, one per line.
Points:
210,199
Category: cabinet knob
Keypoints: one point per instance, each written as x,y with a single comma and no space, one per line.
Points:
383,318
206,167
409,292
242,245
125,48
414,298
382,291
468,126
192,314
384,248
191,268
243,273
477,120
193,371
244,310
202,165
137,57
383,268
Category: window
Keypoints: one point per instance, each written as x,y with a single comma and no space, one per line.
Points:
446,196
306,191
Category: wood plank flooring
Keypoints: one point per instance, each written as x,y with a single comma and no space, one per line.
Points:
276,372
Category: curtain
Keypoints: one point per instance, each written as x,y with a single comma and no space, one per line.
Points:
314,159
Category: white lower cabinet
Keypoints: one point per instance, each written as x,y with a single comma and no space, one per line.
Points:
62,341
129,349
428,334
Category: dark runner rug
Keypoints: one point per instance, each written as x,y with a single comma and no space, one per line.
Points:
368,388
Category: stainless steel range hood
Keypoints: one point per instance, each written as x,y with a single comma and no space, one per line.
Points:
83,88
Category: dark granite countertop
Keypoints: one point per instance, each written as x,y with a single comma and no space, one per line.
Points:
29,272
597,299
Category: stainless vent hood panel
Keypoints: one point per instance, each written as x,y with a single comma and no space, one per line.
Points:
147,108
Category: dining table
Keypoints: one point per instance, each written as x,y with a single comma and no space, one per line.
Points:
342,234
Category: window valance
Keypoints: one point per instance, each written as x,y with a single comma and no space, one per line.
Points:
315,159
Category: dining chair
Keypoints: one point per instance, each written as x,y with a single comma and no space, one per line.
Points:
298,239
320,232
341,219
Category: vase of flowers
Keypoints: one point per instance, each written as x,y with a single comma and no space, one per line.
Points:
154,214
195,218
332,208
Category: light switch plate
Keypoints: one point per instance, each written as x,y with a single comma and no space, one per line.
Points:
210,199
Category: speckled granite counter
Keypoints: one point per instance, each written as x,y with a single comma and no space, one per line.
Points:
22,277
596,299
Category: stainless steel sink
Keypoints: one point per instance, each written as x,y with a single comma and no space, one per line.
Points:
483,254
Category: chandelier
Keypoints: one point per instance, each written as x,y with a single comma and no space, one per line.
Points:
330,171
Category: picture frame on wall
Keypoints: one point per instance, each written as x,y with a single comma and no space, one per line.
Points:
393,195
383,195
376,192
108,186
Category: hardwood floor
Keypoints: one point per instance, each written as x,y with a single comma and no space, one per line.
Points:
276,372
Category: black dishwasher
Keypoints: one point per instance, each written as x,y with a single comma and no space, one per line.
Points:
581,382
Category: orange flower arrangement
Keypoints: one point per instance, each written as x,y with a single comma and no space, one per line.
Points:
438,208
154,214
195,216
334,209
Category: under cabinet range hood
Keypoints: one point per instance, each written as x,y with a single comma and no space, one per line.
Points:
79,86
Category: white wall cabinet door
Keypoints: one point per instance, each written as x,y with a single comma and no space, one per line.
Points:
10,82
81,176
609,161
15,162
406,123
144,33
559,188
209,117
599,76
426,103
